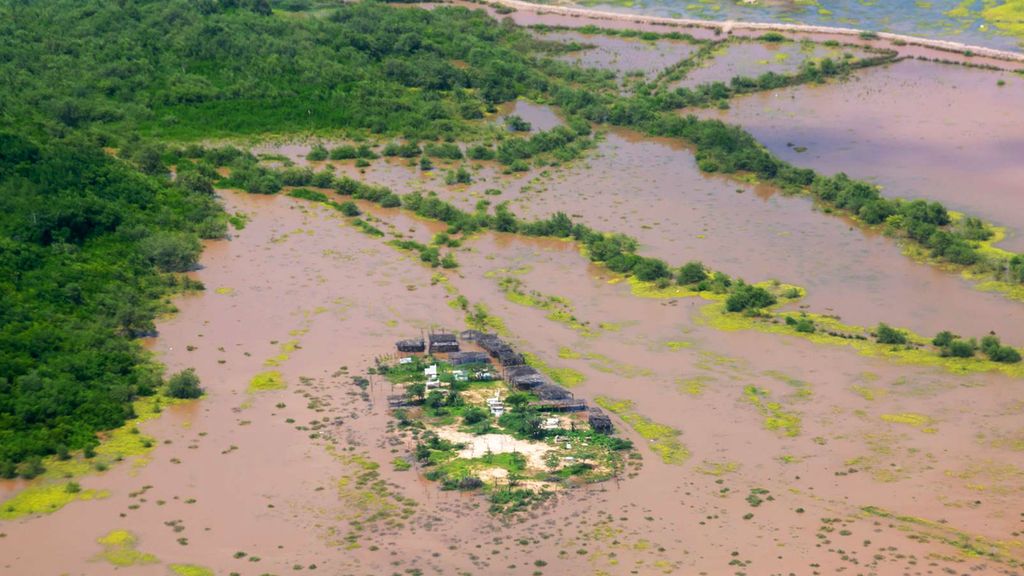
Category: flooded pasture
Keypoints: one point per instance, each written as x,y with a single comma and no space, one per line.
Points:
625,56
921,130
752,59
272,476
757,452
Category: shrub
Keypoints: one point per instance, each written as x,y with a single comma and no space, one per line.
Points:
960,349
748,297
407,150
886,334
171,251
943,339
517,124
996,352
480,152
184,384
195,183
446,150
802,324
349,208
460,176
692,273
317,153
344,152
651,269
474,415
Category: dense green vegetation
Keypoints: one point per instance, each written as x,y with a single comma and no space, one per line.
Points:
184,69
89,249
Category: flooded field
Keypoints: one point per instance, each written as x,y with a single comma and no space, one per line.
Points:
921,130
757,451
751,59
652,190
625,56
265,480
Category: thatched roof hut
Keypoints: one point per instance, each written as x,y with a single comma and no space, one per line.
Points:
509,357
524,370
415,345
600,421
461,358
551,392
443,342
491,343
528,381
473,335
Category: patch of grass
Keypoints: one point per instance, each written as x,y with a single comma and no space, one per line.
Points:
558,308
44,499
833,332
285,353
566,377
50,492
775,417
568,353
717,468
678,344
119,550
190,570
694,386
267,381
969,545
663,440
919,421
869,393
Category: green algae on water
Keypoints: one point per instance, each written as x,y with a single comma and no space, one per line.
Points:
267,381
191,570
119,549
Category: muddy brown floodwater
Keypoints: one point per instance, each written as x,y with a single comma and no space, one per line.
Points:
652,189
239,476
921,130
752,59
623,55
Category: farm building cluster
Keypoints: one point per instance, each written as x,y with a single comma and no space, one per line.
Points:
491,358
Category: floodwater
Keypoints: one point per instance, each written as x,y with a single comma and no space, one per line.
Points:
278,481
751,59
919,129
623,55
540,117
250,471
651,189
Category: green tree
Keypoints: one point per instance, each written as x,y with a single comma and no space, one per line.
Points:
692,273
748,297
184,384
886,334
171,251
